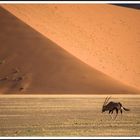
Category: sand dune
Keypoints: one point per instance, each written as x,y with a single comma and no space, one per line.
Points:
106,37
31,63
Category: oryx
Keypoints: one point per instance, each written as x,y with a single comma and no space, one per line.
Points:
111,106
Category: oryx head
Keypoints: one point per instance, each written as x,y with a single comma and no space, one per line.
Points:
105,103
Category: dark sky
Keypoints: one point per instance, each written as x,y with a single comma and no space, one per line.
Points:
135,6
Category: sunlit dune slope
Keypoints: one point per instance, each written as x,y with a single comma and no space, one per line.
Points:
106,37
31,63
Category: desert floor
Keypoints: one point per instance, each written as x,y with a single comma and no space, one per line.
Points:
71,115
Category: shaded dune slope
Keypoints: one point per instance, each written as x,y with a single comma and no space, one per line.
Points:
31,63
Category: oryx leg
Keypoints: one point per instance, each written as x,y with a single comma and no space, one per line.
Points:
121,112
111,112
116,113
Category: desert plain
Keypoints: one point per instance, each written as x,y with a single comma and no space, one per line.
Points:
67,116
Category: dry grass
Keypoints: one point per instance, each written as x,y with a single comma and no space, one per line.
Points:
66,116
